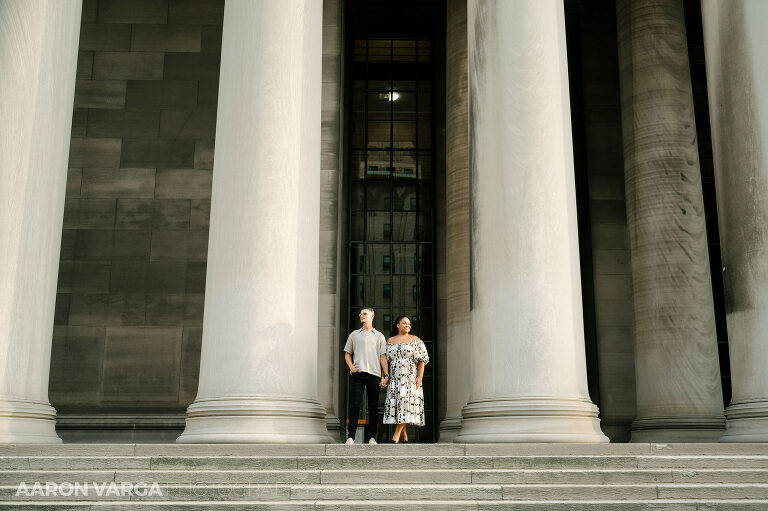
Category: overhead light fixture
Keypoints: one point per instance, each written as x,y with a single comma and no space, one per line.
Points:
389,96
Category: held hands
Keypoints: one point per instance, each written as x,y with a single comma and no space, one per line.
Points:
384,381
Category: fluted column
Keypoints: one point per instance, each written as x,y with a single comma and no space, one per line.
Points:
529,381
330,187
38,61
737,82
457,219
258,368
677,373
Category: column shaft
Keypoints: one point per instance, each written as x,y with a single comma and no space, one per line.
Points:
38,59
737,84
679,395
258,368
330,188
457,219
529,381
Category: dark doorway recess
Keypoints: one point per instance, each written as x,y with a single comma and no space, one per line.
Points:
394,54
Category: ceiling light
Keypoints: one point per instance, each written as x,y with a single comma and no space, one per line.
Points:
389,96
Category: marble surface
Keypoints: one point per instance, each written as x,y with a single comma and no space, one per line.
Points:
529,379
737,84
38,56
258,368
679,395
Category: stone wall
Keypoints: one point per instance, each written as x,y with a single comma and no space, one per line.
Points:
613,306
129,307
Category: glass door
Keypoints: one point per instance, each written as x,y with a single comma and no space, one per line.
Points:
391,195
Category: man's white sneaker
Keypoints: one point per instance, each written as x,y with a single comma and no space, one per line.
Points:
350,441
372,441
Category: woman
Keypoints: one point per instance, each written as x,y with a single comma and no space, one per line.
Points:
407,357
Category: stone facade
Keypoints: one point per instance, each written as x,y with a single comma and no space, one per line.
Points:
129,307
127,331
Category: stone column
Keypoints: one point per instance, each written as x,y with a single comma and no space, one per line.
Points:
457,219
258,368
529,381
38,59
330,187
677,373
737,82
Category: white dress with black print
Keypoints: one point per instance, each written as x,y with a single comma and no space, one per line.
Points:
405,403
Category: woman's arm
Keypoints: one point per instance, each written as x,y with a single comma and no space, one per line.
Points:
420,373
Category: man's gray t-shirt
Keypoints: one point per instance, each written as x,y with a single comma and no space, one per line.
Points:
366,347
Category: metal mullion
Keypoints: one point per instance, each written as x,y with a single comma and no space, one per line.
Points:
365,177
433,255
390,177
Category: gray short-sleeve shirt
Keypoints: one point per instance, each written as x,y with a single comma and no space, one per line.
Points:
366,348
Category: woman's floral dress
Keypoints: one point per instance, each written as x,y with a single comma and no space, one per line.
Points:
405,404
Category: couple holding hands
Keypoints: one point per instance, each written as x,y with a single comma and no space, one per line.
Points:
397,364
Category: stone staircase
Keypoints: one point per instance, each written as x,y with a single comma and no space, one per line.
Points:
551,477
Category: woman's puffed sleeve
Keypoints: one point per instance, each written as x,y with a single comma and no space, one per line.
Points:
420,353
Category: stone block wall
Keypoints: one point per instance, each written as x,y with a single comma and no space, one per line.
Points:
613,305
129,306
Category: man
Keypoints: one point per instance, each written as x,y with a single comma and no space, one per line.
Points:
366,357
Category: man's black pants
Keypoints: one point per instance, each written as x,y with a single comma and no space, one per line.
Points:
357,382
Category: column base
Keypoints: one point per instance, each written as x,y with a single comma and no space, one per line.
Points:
747,422
449,429
255,420
27,422
677,429
333,428
537,419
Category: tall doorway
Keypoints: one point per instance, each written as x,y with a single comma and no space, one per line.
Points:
391,167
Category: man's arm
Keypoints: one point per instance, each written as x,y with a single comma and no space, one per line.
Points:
384,370
348,360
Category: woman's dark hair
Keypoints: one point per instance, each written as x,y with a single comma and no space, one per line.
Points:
396,330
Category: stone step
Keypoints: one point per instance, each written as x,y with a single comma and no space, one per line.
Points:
426,492
352,505
329,462
461,476
564,449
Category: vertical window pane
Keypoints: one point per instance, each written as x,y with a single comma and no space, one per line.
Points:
379,50
403,291
404,197
356,291
379,136
375,257
404,135
358,50
379,226
357,195
375,294
404,255
357,165
378,164
357,226
404,226
425,165
404,106
404,164
378,196
357,258
425,259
